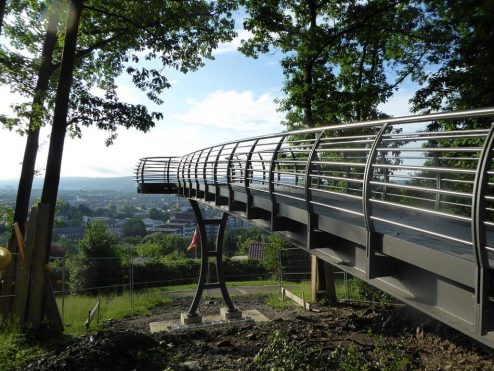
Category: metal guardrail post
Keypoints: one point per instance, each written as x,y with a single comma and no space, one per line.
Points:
196,172
263,169
248,162
190,161
272,197
479,237
367,207
229,169
311,217
180,179
215,176
204,177
437,201
142,170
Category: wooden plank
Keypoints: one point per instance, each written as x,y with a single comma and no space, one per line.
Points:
50,308
20,240
295,298
38,268
92,313
23,275
330,285
314,278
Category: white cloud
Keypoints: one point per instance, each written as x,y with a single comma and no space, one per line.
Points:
240,111
232,46
399,104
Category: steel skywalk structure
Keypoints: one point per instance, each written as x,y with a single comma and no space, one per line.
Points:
400,203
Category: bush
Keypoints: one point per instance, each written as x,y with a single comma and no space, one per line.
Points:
370,293
244,270
150,272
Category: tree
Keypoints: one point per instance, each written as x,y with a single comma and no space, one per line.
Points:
159,215
2,12
113,38
462,74
110,36
133,227
337,55
96,266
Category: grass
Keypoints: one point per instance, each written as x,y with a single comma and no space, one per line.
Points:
76,307
15,347
192,286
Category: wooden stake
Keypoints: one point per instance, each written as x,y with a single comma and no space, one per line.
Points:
330,285
23,275
20,240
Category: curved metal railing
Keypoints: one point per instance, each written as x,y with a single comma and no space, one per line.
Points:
393,186
359,171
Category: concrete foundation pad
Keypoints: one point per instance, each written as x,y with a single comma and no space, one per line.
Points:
207,320
185,319
227,315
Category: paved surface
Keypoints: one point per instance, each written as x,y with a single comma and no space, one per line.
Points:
234,291
207,321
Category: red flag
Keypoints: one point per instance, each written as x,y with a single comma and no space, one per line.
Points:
195,241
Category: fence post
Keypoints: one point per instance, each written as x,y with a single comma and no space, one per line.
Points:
280,263
345,282
132,280
63,288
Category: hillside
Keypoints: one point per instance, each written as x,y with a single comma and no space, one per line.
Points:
118,184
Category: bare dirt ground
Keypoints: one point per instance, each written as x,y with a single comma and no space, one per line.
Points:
347,337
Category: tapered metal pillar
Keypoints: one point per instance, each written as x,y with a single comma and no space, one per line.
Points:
206,254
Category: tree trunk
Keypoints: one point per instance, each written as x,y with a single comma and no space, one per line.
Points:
2,12
55,152
309,68
52,177
30,152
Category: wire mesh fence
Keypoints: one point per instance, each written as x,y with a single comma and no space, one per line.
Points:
129,284
295,275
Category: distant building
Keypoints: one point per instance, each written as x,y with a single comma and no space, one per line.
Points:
256,251
72,232
152,225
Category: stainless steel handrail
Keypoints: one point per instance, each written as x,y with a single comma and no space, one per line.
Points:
290,161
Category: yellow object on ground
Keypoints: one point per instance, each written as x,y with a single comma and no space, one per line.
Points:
5,258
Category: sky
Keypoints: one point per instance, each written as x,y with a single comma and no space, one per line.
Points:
231,97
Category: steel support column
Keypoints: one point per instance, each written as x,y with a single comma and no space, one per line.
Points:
206,253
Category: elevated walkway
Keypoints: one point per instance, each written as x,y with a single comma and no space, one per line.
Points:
409,211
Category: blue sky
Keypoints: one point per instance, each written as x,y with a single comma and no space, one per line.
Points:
230,97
